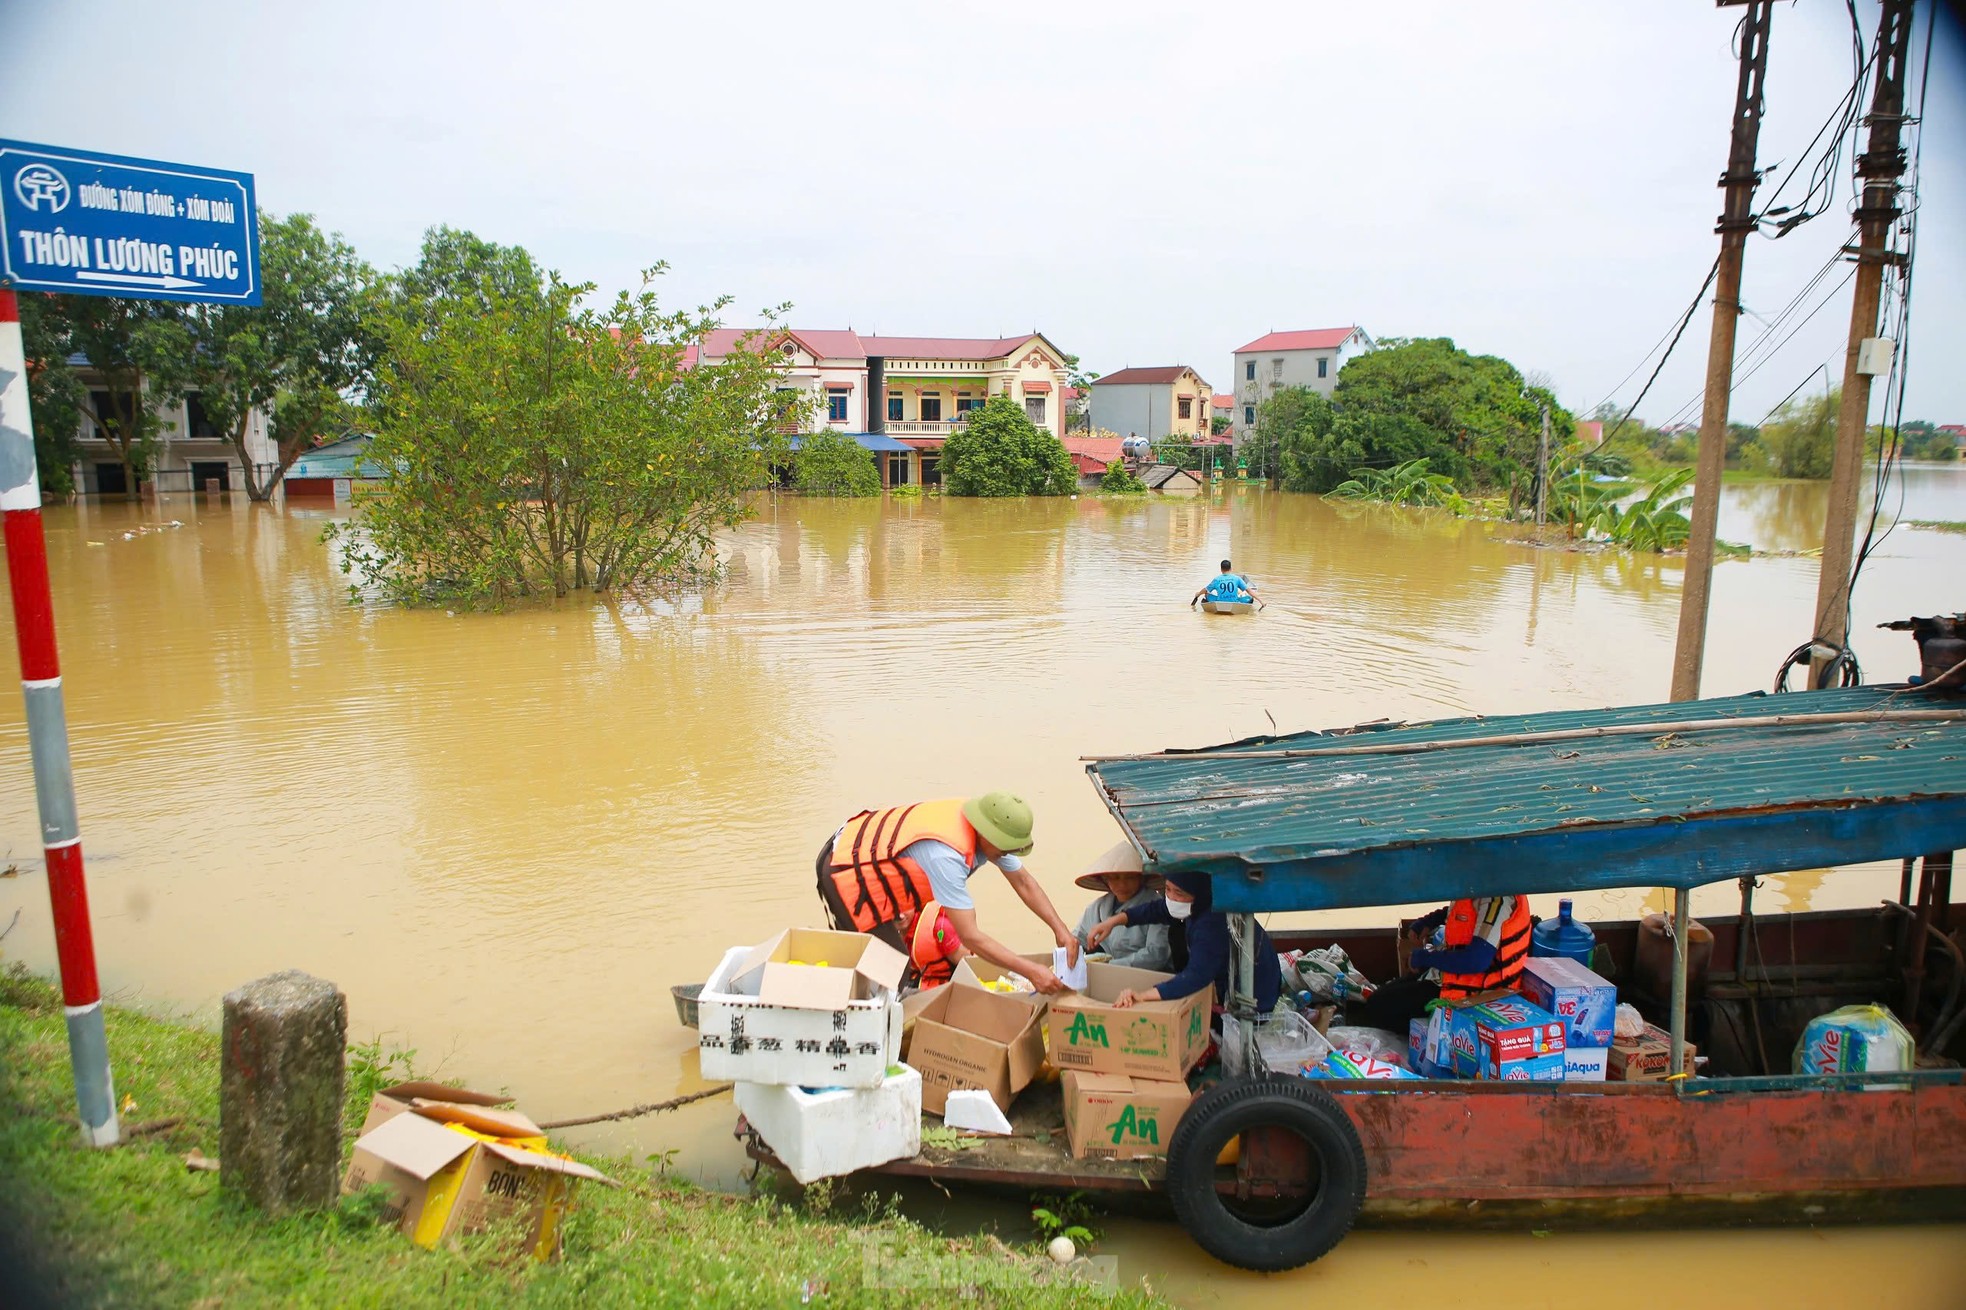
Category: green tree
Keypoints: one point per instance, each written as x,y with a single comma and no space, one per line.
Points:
55,394
297,354
141,353
1801,438
532,444
1120,480
831,463
1000,452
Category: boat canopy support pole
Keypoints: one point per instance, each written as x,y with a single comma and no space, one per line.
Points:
1242,995
1682,914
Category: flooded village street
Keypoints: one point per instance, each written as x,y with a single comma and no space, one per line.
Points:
504,835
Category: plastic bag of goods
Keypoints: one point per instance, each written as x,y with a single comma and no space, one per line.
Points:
1855,1039
1328,975
1627,1024
1354,1064
1375,1043
1287,1041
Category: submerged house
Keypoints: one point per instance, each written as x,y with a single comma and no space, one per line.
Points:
333,470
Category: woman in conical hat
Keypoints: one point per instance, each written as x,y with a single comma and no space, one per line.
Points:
1117,876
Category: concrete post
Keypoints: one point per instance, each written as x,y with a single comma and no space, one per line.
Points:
282,1082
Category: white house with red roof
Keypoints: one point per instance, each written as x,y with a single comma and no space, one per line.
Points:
903,396
1152,402
1309,358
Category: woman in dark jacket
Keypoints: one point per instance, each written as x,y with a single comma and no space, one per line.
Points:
1187,901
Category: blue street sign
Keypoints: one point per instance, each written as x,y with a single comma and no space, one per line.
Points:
82,222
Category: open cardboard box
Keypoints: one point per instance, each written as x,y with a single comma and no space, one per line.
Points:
1109,1116
966,1037
444,1179
1150,1039
389,1102
809,1008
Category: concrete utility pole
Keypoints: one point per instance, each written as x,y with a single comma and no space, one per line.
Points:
1736,221
1881,165
1543,472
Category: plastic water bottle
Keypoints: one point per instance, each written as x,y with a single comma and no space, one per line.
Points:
1564,936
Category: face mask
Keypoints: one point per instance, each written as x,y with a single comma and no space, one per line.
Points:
1179,909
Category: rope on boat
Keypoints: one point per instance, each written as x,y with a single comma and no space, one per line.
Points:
636,1111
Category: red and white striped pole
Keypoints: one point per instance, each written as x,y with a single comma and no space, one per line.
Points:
47,739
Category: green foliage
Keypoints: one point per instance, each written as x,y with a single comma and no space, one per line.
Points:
907,491
1656,521
1000,452
1068,1215
297,354
1802,436
1918,440
370,1069
1404,484
831,463
55,395
533,445
143,354
1287,444
1119,480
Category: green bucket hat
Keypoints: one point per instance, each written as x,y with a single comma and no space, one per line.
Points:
1003,820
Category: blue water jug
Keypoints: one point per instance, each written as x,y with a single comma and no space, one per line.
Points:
1564,936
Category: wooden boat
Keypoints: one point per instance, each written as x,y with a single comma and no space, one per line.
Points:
1228,606
1672,796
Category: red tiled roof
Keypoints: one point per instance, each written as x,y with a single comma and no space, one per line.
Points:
1223,400
1590,431
1312,339
1072,393
1138,377
1102,448
821,343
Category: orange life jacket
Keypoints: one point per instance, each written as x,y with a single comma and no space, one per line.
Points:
1510,952
875,882
932,946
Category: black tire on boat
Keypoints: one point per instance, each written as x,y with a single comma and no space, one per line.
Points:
1255,1234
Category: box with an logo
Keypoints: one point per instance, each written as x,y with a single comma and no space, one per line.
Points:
1516,1041
1450,1044
1584,1001
1646,1058
1149,1039
1109,1116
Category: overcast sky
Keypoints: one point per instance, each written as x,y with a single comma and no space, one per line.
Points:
1146,183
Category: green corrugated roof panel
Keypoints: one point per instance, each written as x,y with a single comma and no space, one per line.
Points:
1630,803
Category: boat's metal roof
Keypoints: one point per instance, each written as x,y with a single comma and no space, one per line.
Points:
1383,814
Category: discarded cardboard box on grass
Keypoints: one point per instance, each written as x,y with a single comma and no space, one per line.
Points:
1646,1058
966,1037
442,1180
809,1008
1150,1039
389,1102
1109,1116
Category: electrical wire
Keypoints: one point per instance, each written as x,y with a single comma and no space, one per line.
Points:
1698,296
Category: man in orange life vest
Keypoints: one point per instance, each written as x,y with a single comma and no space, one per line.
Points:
885,864
934,948
1487,941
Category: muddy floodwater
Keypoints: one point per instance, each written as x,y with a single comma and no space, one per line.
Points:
505,835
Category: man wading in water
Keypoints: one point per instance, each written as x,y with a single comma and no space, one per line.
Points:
884,864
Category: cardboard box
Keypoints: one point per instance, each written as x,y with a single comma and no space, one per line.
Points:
1644,1059
1153,1039
966,1037
1586,1002
392,1101
1109,1116
825,1134
975,971
1450,1044
805,1009
1511,1032
1585,1064
443,1179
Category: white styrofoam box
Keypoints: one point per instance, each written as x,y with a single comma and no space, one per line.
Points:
824,1134
744,1039
1584,1064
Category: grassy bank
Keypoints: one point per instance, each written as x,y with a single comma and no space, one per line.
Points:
131,1226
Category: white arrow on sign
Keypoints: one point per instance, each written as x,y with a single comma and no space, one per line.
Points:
139,279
